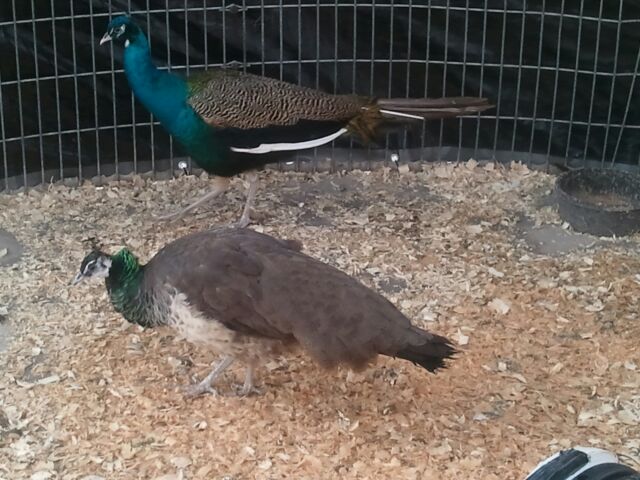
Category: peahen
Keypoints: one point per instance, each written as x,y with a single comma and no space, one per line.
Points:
247,296
231,122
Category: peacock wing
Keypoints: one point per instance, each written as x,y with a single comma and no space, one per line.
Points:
232,99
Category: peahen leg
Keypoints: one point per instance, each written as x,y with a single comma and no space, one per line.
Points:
248,387
205,385
245,219
220,185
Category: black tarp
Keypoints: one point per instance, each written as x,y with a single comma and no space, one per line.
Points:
488,48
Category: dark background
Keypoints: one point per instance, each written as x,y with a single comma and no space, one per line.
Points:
493,49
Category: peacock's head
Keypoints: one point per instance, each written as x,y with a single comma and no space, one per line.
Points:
96,264
121,29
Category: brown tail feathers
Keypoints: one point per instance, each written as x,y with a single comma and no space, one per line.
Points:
431,354
388,114
423,108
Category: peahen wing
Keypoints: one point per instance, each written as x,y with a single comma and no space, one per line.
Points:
231,99
217,278
258,285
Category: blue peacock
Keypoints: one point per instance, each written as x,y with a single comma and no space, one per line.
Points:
231,122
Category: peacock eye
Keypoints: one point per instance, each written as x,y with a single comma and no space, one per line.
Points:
121,29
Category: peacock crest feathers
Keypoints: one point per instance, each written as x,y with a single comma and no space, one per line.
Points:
229,98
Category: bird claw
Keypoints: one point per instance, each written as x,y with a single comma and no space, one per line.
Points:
246,391
169,217
244,222
191,391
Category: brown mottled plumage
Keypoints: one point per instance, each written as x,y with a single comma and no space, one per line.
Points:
232,99
246,295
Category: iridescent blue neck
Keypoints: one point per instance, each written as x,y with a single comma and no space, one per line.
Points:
161,92
165,95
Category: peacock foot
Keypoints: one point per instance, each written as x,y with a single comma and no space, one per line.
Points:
170,217
202,388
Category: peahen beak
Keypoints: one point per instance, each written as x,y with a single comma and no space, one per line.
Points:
105,38
77,279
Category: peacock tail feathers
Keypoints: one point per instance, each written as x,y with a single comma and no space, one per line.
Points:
379,113
425,108
366,125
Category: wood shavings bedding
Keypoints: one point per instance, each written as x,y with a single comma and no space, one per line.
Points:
549,342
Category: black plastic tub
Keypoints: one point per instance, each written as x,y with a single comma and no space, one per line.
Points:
600,202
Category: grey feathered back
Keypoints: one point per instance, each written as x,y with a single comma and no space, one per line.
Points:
261,286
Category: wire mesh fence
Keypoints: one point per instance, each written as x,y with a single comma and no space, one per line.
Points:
562,74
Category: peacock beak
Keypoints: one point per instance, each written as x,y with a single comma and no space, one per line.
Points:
105,38
77,279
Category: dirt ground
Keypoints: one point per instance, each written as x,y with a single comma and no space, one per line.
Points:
547,321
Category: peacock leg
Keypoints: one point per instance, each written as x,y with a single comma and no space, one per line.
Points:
220,185
245,219
395,143
205,385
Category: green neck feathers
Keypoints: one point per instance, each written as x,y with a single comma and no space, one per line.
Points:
124,286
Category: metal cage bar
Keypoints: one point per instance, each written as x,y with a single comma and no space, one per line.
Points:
627,108
593,82
555,81
5,156
332,4
575,82
404,48
613,82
